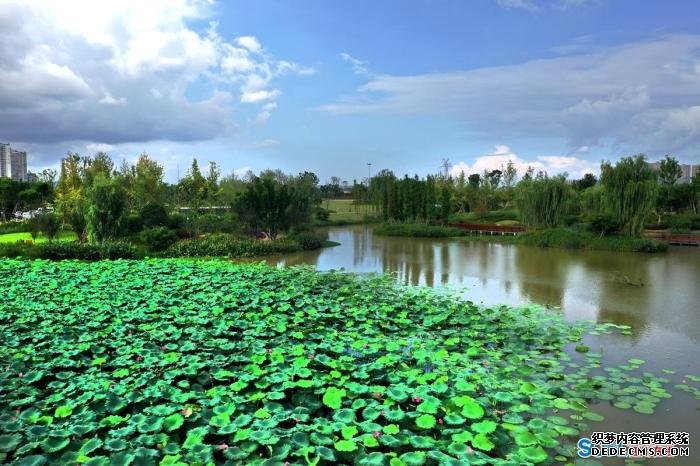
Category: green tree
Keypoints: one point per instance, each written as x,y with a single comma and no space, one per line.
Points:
147,186
629,191
445,204
193,187
669,170
106,209
70,195
543,201
264,206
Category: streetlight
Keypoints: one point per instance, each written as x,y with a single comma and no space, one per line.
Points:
369,172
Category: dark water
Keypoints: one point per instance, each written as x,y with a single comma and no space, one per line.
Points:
657,295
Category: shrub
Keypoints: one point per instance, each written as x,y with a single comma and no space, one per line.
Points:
133,224
50,225
13,226
322,214
604,224
225,245
648,245
34,226
18,249
86,251
158,238
153,215
308,240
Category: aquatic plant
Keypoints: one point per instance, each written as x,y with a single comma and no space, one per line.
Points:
177,362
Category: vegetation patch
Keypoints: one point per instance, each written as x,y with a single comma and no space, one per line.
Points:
183,362
417,230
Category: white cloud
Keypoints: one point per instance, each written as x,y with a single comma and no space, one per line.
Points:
257,96
358,66
250,43
99,147
108,99
241,172
502,154
85,71
265,113
639,97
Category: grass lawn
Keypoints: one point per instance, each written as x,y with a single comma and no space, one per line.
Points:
25,236
345,210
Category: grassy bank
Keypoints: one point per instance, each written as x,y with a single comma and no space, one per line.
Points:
26,236
193,362
214,245
554,238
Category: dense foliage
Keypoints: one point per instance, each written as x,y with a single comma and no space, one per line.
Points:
182,362
543,201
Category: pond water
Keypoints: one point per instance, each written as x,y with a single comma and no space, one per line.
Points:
658,295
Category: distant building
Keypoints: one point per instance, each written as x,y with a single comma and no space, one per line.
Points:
688,171
13,163
32,177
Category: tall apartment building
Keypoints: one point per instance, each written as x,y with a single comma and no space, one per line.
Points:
688,171
13,163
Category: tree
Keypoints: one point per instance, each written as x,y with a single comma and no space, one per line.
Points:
106,209
147,186
445,204
50,225
70,196
264,206
212,183
588,181
629,191
669,170
543,201
194,187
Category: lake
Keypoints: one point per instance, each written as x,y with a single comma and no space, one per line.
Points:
658,295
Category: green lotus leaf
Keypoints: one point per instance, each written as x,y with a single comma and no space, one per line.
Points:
333,397
373,459
525,438
195,437
345,445
116,444
484,427
482,442
414,458
9,442
348,432
33,460
533,454
426,421
54,444
63,411
172,422
90,446
345,416
457,449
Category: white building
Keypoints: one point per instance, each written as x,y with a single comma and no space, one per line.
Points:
13,163
688,171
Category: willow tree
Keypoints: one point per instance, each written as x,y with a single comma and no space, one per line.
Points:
629,191
543,201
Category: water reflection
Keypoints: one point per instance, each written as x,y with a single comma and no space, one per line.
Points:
646,292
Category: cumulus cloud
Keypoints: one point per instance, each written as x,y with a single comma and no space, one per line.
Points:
502,154
114,72
639,97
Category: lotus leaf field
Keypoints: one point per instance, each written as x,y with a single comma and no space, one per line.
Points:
176,362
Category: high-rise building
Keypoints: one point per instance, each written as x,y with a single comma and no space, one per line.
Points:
13,163
688,171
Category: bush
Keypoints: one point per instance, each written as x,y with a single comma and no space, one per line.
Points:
225,245
212,223
684,221
648,245
322,214
18,249
34,226
133,224
308,240
13,226
153,215
50,225
158,238
417,230
604,224
86,251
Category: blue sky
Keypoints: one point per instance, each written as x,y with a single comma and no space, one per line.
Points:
328,86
